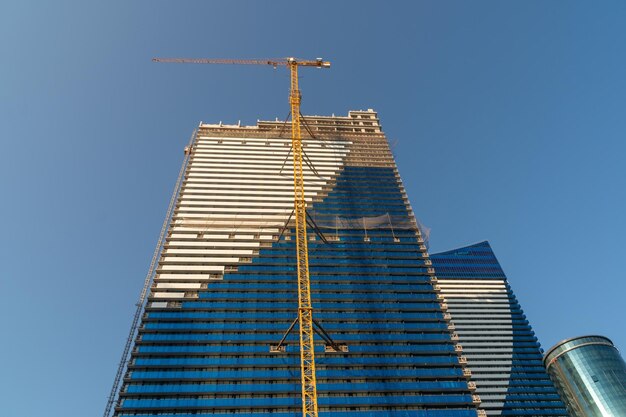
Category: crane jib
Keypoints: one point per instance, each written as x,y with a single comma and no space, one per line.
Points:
273,62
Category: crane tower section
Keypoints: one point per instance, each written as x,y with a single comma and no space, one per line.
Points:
305,309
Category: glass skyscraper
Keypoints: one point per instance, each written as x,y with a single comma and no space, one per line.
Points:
495,337
225,290
590,375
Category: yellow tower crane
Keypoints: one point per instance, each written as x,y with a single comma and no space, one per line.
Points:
305,308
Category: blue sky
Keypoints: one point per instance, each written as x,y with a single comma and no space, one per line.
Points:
508,121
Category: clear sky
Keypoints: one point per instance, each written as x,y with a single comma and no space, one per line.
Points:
508,121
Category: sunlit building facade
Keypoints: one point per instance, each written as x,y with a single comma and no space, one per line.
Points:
225,288
496,339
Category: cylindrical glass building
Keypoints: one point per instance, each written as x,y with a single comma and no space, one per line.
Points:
590,375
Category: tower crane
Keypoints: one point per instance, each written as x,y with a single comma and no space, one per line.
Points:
305,308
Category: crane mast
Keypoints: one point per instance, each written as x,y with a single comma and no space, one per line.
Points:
305,307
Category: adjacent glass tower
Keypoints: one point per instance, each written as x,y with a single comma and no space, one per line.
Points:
494,335
225,288
590,375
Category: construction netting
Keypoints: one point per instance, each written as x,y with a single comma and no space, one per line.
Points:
383,221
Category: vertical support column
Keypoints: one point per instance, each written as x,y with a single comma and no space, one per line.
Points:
307,354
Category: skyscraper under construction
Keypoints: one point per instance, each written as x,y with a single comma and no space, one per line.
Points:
224,292
399,333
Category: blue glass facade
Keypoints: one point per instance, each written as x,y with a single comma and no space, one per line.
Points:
590,375
206,351
496,338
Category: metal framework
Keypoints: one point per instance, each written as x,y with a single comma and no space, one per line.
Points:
305,308
148,280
